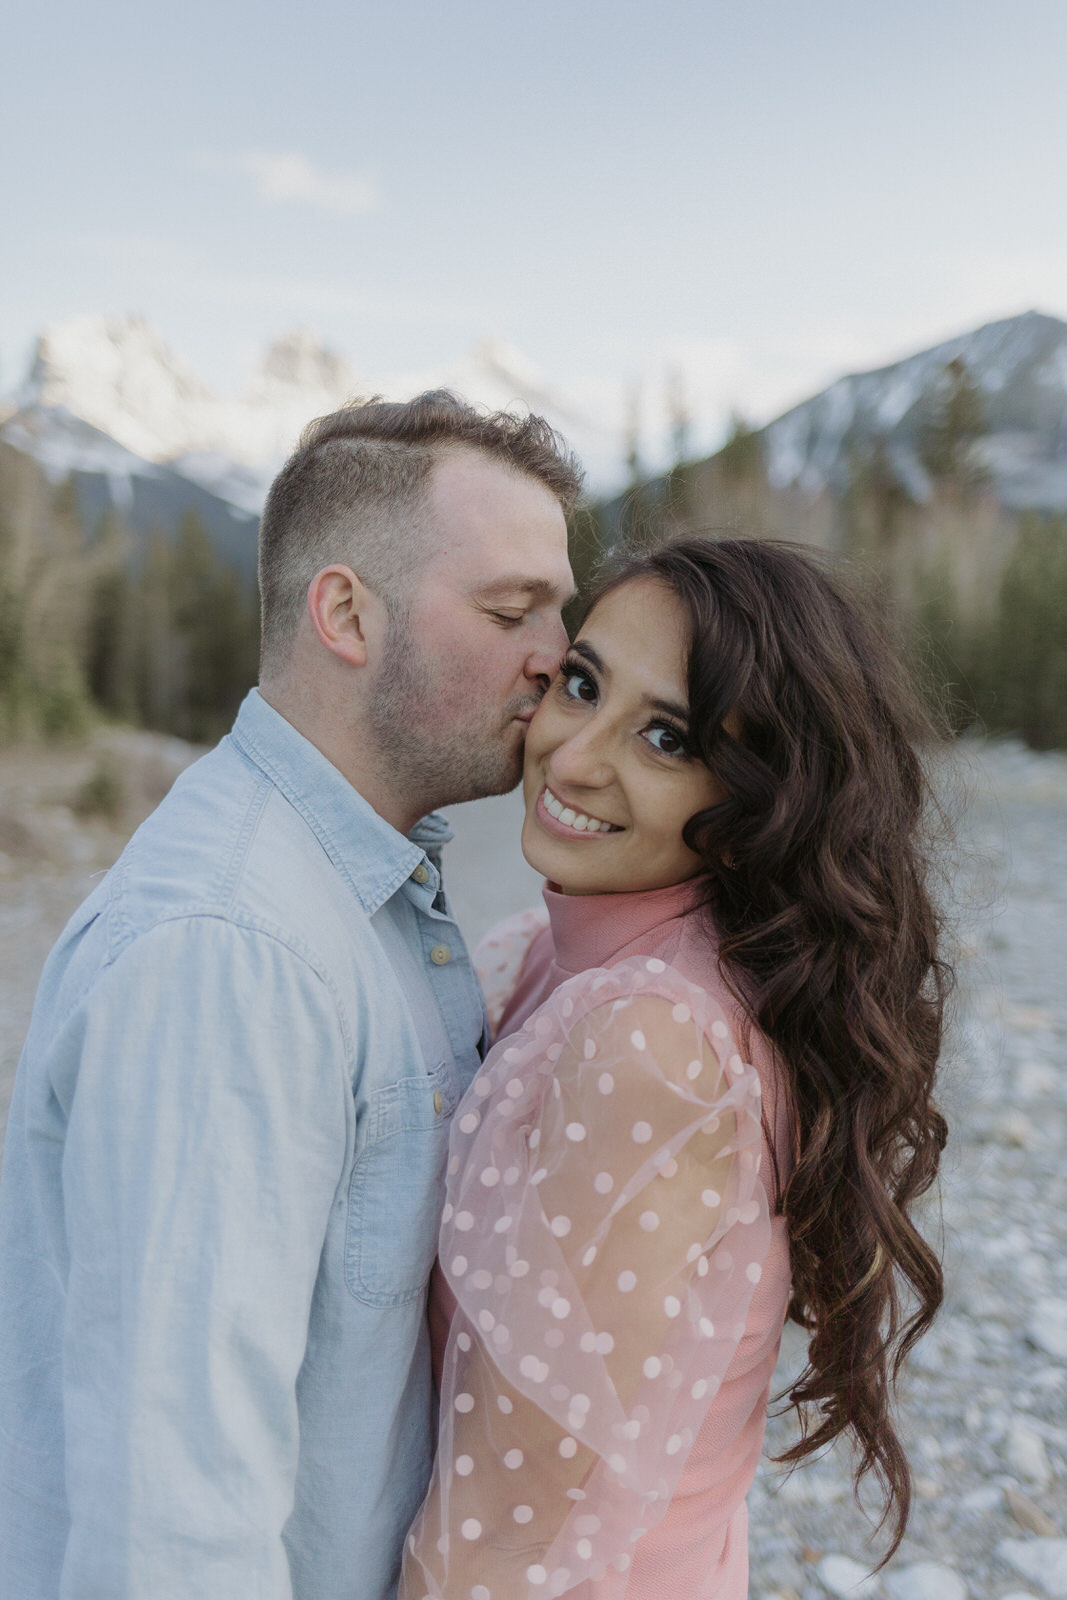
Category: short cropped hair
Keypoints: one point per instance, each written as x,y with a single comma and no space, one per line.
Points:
353,489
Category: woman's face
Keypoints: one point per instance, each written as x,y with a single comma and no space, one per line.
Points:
609,782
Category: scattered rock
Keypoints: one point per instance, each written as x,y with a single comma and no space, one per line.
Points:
925,1580
1028,1515
1047,1328
840,1575
1026,1454
1042,1561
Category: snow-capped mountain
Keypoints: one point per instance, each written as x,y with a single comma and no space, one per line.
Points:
106,398
1020,367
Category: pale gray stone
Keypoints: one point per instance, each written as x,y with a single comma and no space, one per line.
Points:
840,1575
925,1580
1047,1327
1042,1561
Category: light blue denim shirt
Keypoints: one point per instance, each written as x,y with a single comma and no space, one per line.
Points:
221,1185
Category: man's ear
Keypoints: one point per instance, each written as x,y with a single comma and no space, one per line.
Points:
343,612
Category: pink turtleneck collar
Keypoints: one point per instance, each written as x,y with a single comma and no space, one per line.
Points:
589,930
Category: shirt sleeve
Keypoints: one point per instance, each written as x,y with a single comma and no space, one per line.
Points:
605,1230
499,958
206,1140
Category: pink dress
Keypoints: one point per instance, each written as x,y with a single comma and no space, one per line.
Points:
616,1280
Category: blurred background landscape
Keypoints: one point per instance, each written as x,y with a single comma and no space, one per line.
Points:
776,270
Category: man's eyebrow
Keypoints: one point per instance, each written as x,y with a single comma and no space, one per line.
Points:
539,589
669,708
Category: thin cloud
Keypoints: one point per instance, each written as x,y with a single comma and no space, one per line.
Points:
284,177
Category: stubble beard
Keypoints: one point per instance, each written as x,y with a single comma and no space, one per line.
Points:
434,757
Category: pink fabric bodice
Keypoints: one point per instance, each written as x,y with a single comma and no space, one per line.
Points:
697,1550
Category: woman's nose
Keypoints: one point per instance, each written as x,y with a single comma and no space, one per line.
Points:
584,759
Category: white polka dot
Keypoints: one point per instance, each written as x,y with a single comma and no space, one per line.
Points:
523,1513
463,1340
561,1308
711,1125
637,1039
482,1279
575,1132
672,1305
539,1176
567,1007
519,1269
586,1525
511,1177
584,1548
464,1466
502,1224
707,1327
559,1391
641,1132
490,1176
453,1168
554,1052
699,1389
514,1459
556,1090
504,1404
560,1226
702,1267
589,1257
654,964
720,1030
753,1272
486,1321
464,1221
530,1367
534,1139
480,1592
568,1447
693,1251
471,1529
587,1343
617,1463
459,1265
652,1367
681,1013
669,1169
589,1049
512,1052
750,1212
575,1494
468,1123
536,1575
605,1344
501,1336
603,1183
554,1338
723,1260
464,1402
605,1083
542,1026
649,1221
674,1444
627,1281
711,1198
693,1070
580,1403
482,1087
513,1088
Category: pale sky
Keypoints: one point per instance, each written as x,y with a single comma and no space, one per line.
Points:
763,194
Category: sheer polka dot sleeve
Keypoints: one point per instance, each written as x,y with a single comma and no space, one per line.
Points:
499,957
604,1230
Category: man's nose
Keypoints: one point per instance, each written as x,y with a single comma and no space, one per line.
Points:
543,660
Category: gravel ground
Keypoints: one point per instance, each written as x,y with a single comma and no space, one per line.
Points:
984,1404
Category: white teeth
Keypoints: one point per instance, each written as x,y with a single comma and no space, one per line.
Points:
571,818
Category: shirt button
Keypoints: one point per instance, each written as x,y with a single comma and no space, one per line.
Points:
438,1101
421,874
440,955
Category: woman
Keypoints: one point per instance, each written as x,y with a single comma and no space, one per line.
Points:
710,1102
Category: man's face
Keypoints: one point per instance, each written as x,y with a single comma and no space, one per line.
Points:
468,661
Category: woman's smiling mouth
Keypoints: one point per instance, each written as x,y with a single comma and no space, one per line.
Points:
570,820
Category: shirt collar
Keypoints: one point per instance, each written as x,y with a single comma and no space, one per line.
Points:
589,930
368,852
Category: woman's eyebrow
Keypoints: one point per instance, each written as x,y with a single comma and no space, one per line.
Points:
669,708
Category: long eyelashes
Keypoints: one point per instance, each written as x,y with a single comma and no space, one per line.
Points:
572,667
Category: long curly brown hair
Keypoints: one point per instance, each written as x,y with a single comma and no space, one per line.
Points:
817,866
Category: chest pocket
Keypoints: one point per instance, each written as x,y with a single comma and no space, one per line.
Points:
397,1189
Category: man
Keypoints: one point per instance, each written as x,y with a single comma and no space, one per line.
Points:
226,1148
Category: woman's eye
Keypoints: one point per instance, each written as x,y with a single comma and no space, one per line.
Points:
666,741
579,686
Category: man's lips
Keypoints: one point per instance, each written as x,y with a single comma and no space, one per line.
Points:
567,822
